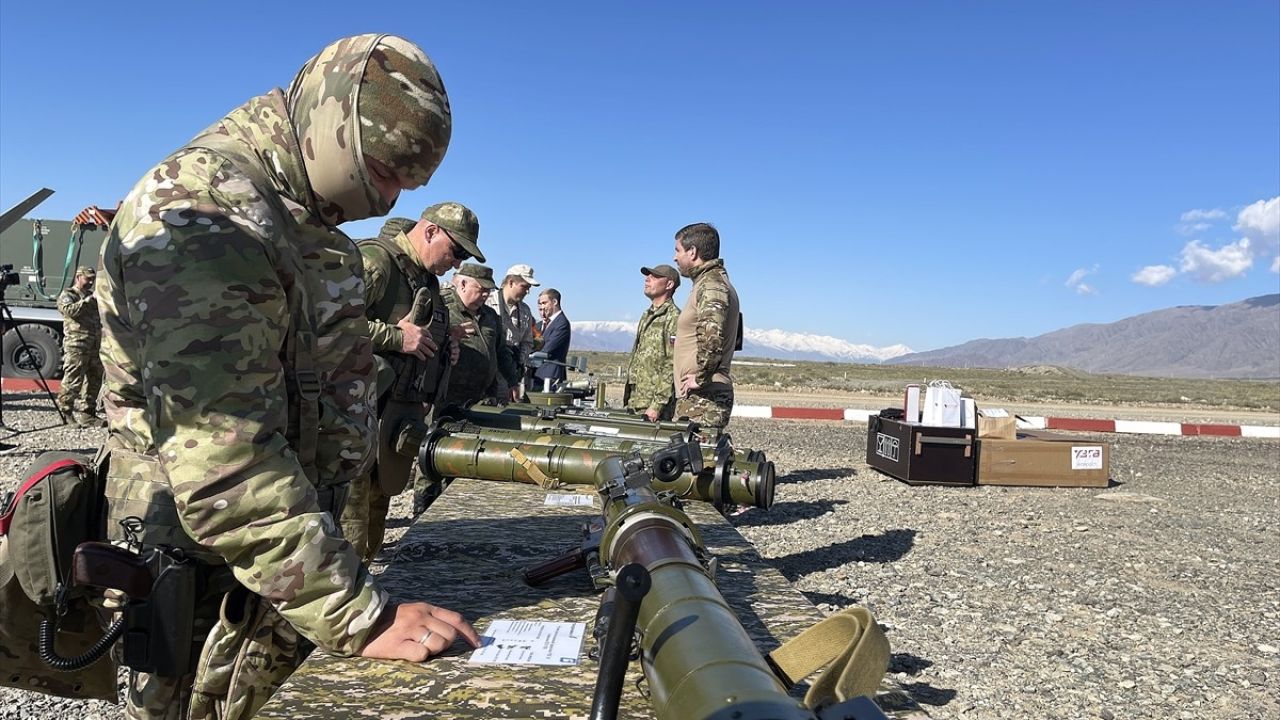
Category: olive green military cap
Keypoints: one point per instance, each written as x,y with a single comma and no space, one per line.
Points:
663,271
86,271
461,224
482,274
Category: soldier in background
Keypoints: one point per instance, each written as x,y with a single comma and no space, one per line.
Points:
240,377
411,362
650,390
516,316
81,339
485,369
707,330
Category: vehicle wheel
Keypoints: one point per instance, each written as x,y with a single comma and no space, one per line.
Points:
41,351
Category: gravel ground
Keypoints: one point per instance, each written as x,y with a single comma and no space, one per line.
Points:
1154,598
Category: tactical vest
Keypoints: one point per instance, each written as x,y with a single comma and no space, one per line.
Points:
415,380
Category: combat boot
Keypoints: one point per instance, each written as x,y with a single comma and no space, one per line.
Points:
89,420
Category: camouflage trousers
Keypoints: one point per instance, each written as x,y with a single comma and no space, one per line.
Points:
81,380
249,653
364,521
709,406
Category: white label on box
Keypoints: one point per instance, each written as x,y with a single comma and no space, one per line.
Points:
525,642
993,412
887,447
574,500
1086,457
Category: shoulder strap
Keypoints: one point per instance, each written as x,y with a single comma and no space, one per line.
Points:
302,379
852,647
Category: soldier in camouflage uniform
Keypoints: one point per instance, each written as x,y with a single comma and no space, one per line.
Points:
707,330
398,264
485,368
649,390
240,377
81,339
516,316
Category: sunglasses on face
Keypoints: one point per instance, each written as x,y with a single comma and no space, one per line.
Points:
459,253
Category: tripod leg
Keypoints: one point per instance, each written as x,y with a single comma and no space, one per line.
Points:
44,383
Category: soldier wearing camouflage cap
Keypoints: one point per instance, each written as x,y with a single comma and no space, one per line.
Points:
240,376
706,331
649,390
409,326
81,339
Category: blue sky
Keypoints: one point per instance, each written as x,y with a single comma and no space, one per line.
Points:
891,172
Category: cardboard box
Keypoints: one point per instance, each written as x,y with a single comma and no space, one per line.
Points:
1044,462
921,454
997,428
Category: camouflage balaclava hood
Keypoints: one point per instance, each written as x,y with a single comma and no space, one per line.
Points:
374,95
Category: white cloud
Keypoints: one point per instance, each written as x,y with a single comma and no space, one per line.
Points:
1154,275
1260,223
1194,221
1227,262
1076,281
1275,264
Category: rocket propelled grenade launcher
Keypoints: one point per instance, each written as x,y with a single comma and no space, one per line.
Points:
459,449
617,424
699,661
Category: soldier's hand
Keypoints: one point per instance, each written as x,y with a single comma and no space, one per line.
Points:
463,330
688,382
516,393
416,340
454,352
651,415
417,631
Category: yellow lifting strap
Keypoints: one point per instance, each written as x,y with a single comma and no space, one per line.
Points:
544,481
852,647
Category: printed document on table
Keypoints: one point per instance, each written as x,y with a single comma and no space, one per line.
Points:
528,642
570,500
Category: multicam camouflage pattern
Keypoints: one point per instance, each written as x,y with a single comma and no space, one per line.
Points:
649,373
706,333
709,406
81,338
468,553
374,95
199,271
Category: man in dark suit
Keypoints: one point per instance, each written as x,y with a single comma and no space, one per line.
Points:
555,336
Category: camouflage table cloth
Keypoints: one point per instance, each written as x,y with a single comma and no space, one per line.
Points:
467,553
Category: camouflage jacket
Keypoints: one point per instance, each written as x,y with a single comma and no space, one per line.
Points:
388,296
520,324
81,326
707,329
649,372
197,274
485,366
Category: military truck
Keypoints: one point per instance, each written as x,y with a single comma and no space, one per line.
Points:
44,255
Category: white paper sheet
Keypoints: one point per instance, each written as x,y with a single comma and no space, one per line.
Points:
530,642
570,500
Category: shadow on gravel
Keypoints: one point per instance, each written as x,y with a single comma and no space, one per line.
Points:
836,600
908,663
819,474
787,512
926,694
890,546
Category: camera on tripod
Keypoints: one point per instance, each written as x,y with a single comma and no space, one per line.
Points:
7,277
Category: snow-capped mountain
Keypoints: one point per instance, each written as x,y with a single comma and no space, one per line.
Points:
616,336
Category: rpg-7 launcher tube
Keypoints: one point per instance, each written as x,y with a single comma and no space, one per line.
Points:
699,661
488,455
592,434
